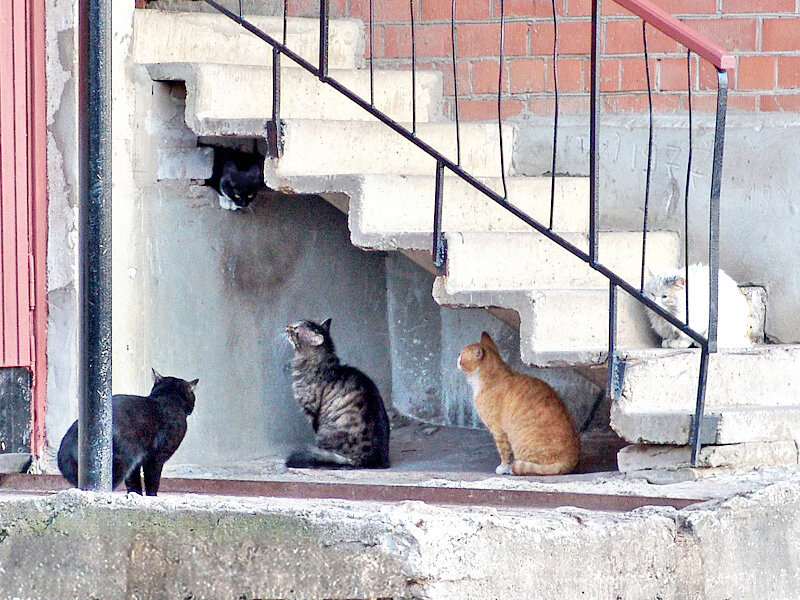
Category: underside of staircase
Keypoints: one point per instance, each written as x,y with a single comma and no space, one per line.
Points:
335,149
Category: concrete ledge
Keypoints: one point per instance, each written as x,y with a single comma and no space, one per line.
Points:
661,379
161,36
480,261
737,456
209,86
79,545
723,424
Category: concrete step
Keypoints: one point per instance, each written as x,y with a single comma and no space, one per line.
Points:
640,457
530,261
406,222
322,148
721,425
166,36
303,96
548,337
751,395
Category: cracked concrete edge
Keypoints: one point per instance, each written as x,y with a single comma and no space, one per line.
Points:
73,544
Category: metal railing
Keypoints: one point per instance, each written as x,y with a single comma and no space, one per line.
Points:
652,17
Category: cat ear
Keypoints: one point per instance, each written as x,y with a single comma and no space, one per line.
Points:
487,341
680,282
156,376
649,272
478,353
193,383
311,338
326,325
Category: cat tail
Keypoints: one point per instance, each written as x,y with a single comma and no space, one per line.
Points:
311,457
525,467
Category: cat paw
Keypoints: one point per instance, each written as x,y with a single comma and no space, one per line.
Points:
503,469
677,344
226,203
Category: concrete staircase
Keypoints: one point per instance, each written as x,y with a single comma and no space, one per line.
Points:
386,185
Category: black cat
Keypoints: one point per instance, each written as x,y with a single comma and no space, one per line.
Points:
344,405
238,177
146,433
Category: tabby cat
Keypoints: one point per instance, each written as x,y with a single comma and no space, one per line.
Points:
344,405
146,433
668,290
532,428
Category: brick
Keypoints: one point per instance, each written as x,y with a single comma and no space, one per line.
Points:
707,76
740,102
483,39
578,8
566,104
527,75
396,41
702,102
760,7
625,37
527,8
756,73
441,10
338,8
788,72
433,41
378,46
463,69
302,8
484,110
738,34
633,76
780,34
570,75
484,77
673,75
689,7
640,102
574,37
782,102
542,38
610,75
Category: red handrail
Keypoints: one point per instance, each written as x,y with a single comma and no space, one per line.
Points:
680,32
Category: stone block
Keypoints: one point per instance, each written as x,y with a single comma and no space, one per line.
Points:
638,457
185,163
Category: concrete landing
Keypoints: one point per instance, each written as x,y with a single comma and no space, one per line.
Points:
74,544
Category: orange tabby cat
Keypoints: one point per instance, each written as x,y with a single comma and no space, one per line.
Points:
531,426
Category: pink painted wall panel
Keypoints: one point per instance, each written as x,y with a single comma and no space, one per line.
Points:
23,196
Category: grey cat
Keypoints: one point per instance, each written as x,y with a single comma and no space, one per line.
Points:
344,405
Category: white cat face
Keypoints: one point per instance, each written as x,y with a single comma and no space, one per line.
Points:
667,290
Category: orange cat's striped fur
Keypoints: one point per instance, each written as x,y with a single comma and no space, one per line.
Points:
532,428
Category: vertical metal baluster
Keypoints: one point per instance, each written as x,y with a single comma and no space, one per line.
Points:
323,39
700,405
688,179
594,135
413,71
285,14
649,152
500,96
371,52
555,117
240,11
613,365
439,248
713,227
455,81
275,127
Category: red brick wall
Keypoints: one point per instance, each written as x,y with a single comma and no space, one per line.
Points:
766,44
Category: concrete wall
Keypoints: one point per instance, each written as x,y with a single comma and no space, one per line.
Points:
62,178
759,224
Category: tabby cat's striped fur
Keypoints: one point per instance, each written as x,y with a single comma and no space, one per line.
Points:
344,405
532,428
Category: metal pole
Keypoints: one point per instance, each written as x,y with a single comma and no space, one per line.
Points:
594,134
94,247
